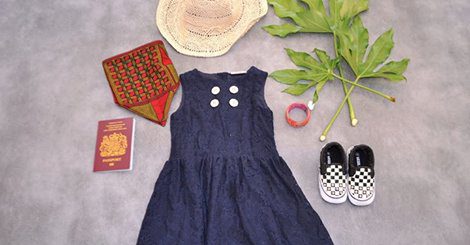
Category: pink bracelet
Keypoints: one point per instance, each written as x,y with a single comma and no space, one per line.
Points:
294,123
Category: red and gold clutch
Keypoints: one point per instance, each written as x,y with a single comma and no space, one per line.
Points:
143,81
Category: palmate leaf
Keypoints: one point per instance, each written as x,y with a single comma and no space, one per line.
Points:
313,17
316,73
353,48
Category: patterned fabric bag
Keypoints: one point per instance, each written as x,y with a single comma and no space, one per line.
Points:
143,81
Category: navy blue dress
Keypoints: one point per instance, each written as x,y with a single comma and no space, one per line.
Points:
225,182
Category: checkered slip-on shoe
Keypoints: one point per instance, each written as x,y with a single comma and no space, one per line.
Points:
333,173
361,183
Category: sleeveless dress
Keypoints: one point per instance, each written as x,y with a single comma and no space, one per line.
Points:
225,182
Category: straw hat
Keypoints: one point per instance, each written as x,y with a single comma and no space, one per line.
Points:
207,28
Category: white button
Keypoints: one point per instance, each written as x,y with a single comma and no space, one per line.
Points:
214,102
233,89
233,102
215,90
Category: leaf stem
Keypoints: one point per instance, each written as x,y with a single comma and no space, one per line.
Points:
333,119
355,84
352,113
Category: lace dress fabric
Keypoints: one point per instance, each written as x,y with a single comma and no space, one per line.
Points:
225,182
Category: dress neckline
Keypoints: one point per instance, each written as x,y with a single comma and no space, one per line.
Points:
227,75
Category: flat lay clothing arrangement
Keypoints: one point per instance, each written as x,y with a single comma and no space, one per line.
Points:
225,182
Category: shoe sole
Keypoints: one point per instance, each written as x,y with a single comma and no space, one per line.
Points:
360,203
354,201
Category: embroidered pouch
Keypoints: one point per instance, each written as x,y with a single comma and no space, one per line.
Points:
143,81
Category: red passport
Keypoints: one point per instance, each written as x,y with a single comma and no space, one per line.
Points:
114,145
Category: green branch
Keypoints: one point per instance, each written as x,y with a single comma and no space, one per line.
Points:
355,84
352,113
333,119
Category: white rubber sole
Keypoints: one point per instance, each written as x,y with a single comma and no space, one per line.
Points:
325,197
360,203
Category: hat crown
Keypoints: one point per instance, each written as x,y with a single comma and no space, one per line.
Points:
207,28
211,17
214,9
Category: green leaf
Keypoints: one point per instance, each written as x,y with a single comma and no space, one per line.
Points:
318,89
353,44
326,60
286,8
392,71
335,8
316,6
324,66
303,59
312,21
343,11
353,48
323,56
379,52
296,89
317,72
313,17
282,30
289,76
351,8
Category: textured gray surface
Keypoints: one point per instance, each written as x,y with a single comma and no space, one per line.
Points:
54,92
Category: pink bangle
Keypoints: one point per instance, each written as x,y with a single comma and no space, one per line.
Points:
294,123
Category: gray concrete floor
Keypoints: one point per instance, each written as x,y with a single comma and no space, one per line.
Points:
54,92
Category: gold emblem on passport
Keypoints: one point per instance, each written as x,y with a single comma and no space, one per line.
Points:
113,145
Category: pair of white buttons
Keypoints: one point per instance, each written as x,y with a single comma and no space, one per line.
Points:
232,102
216,90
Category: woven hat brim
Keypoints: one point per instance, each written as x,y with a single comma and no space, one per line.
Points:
192,44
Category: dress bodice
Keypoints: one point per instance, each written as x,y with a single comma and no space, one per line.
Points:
223,114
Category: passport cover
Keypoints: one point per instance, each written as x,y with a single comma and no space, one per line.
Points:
114,145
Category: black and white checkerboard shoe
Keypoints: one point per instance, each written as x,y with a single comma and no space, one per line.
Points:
361,183
333,173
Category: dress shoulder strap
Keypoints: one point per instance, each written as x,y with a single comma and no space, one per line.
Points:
259,78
